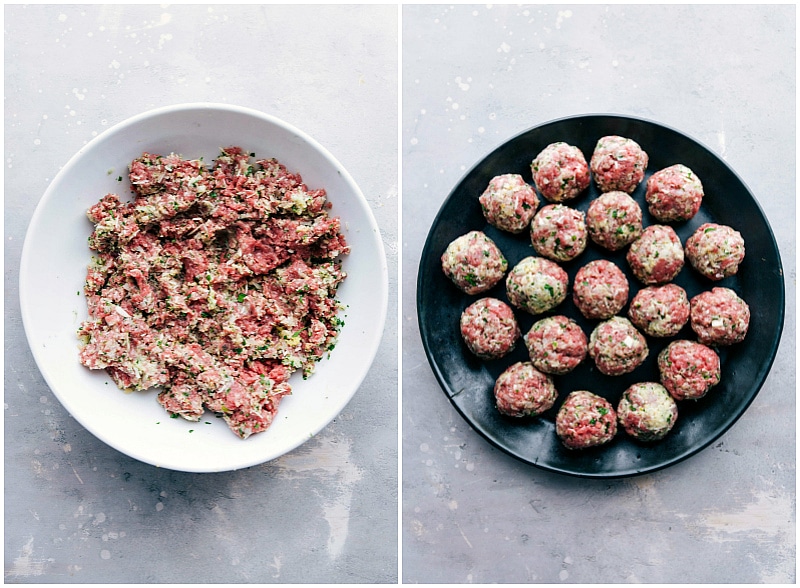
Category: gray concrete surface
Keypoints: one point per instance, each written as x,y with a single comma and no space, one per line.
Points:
76,511
473,77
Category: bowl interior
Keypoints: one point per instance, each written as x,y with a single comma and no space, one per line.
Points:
53,268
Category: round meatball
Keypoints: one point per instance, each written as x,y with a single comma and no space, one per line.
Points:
489,328
560,172
558,232
674,194
660,311
647,412
715,250
509,203
617,347
719,317
614,220
656,257
600,289
536,285
474,263
585,420
556,345
618,163
524,391
688,369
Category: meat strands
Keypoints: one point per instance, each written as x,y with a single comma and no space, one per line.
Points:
215,285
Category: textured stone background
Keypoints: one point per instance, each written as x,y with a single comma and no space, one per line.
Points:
475,76
77,511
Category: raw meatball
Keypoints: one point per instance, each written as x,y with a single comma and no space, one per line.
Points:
618,163
715,250
614,220
719,317
657,256
600,289
558,232
647,412
660,311
524,391
674,194
560,172
617,347
556,344
536,285
688,369
509,203
489,328
585,420
474,263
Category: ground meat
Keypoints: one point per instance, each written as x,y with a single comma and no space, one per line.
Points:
523,391
614,220
674,194
660,311
214,284
558,232
474,263
617,347
489,328
585,420
509,203
556,345
688,369
536,285
600,289
657,256
719,317
647,412
560,172
618,163
715,250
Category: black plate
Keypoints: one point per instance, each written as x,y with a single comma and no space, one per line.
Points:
468,382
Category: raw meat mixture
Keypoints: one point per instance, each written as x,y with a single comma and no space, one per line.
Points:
618,164
558,232
674,193
585,420
647,412
556,344
614,220
213,284
509,203
523,391
560,172
489,328
538,284
474,263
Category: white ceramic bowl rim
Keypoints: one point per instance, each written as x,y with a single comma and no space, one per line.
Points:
52,348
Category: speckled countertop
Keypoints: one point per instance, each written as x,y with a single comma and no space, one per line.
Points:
475,76
77,511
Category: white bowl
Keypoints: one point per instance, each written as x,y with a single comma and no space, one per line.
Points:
53,269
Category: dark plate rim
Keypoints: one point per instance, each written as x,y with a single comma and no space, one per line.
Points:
758,381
